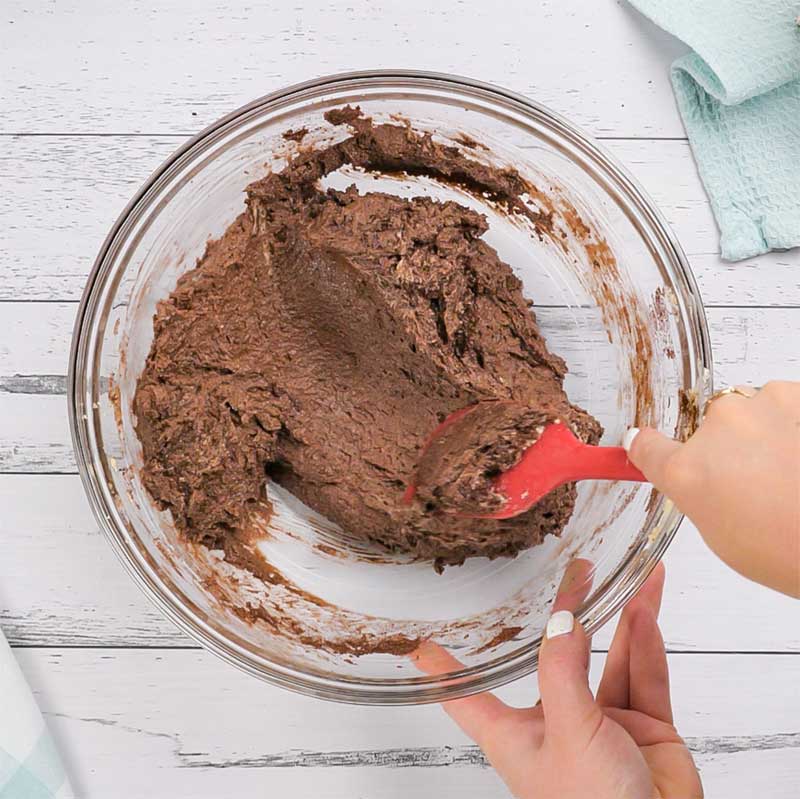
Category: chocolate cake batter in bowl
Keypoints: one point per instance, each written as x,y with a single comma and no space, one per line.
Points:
289,307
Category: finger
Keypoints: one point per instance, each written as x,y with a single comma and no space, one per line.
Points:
644,730
479,715
434,659
613,688
575,585
570,713
649,674
614,685
649,451
782,394
671,766
652,590
717,402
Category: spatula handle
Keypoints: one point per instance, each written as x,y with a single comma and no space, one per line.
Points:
605,463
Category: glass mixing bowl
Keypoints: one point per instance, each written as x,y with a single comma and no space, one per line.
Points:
614,297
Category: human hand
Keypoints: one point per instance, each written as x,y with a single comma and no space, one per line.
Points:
738,479
622,745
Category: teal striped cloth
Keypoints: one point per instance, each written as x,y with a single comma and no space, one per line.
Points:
738,93
30,767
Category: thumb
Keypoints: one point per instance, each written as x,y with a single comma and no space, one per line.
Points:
650,451
570,712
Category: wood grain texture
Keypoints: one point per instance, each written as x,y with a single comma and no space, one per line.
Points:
69,190
182,724
48,598
469,755
176,722
169,68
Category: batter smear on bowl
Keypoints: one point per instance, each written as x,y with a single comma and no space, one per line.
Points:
321,339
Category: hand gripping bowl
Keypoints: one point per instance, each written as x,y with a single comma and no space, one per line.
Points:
614,297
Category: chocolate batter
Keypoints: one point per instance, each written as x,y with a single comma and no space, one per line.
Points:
323,337
457,468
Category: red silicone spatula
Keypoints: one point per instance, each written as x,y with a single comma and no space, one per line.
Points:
557,457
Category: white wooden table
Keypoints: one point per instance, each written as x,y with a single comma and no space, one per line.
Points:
93,95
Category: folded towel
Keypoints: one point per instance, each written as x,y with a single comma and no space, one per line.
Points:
739,96
30,767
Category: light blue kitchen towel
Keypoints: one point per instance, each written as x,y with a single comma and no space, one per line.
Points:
739,95
30,767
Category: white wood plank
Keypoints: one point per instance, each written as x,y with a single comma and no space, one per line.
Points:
69,190
169,68
61,585
60,582
35,337
181,724
750,345
34,434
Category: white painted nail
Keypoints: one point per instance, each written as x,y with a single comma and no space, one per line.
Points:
627,439
560,623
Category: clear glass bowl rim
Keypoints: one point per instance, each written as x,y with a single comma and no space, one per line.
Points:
91,463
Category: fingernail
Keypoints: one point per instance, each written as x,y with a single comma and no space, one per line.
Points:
627,439
560,623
